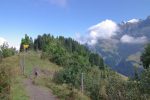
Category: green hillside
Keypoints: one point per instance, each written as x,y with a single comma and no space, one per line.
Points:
32,60
69,70
82,70
46,79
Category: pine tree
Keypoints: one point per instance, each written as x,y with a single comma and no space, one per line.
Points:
145,58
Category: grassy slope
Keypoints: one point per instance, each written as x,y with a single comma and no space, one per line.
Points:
62,91
33,60
125,78
135,58
17,90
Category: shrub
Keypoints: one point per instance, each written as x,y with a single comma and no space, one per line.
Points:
4,82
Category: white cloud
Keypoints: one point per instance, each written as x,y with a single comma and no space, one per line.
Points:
11,44
2,40
133,21
104,30
58,2
133,40
16,45
92,42
80,38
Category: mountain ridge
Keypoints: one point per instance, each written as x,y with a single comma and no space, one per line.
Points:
130,40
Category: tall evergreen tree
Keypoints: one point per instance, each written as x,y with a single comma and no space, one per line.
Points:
95,59
145,58
26,41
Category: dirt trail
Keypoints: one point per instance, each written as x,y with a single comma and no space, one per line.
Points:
37,92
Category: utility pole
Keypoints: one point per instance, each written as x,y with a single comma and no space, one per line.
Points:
82,85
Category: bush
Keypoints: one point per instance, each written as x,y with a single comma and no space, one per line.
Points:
6,51
132,91
69,75
1,56
4,83
145,82
94,85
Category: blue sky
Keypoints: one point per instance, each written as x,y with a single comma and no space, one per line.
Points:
63,17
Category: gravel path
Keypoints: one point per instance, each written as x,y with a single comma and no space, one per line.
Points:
38,93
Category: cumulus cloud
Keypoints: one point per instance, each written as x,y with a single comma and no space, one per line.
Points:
133,21
133,40
108,30
80,39
15,45
2,40
11,44
103,30
58,2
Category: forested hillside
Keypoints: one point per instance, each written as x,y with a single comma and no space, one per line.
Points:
82,68
78,69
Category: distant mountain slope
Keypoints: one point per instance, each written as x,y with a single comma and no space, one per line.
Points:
122,52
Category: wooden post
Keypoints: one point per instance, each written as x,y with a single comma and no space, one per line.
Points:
25,46
24,62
